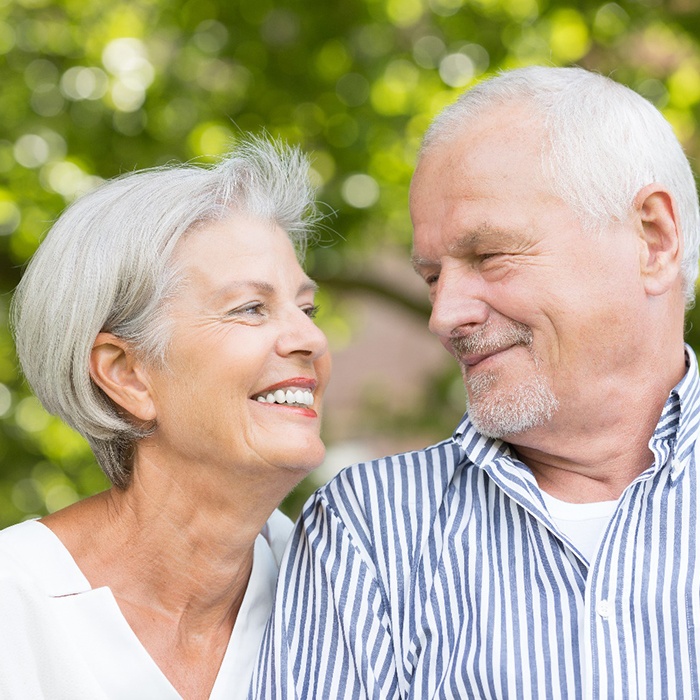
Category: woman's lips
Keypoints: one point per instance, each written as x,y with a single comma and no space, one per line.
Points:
292,394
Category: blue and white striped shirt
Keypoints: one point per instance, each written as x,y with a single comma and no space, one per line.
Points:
440,574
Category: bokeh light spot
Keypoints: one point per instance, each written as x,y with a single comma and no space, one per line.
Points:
210,139
569,38
610,21
10,217
428,50
684,85
80,83
68,179
30,415
60,496
352,89
445,8
456,70
210,37
5,400
26,496
7,38
31,150
360,191
404,13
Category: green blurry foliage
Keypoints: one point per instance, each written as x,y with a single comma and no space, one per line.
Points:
93,89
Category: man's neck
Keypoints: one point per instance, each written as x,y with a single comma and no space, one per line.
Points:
594,455
586,482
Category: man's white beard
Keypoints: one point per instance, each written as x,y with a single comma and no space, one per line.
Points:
498,412
501,411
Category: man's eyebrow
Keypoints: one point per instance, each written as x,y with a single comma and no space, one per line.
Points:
467,242
418,262
483,234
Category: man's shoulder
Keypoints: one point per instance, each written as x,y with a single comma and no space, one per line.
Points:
368,494
411,467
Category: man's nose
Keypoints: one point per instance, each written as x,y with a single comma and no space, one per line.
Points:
458,301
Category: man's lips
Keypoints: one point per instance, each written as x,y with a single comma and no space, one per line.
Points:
475,359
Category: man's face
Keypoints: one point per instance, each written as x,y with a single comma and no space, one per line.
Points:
539,313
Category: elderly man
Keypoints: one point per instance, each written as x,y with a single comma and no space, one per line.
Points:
548,549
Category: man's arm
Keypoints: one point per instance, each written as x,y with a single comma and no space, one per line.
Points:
329,635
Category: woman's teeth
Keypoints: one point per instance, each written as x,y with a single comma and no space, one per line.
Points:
300,397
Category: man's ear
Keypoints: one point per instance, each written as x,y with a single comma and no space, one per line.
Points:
660,237
115,369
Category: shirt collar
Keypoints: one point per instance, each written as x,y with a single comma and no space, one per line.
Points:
476,446
680,418
675,433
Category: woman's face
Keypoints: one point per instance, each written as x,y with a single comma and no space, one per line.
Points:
245,357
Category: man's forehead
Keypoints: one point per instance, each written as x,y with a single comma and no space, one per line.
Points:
514,122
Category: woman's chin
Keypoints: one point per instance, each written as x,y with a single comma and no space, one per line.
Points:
305,460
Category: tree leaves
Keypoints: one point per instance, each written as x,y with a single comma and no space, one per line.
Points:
91,90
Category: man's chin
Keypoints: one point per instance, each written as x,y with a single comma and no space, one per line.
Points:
506,414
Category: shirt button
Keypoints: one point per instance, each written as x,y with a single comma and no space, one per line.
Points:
603,609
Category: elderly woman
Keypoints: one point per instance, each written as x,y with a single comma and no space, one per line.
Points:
166,318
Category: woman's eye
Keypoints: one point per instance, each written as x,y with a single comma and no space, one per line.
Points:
311,311
253,309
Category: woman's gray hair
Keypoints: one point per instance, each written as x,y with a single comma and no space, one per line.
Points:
603,143
106,265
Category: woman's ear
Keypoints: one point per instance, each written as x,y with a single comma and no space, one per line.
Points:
661,239
115,369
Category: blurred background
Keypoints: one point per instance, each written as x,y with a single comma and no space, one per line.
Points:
89,90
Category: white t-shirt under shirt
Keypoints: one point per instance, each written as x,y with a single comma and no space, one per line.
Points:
62,640
583,523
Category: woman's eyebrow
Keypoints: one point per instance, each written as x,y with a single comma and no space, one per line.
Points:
259,286
308,286
231,288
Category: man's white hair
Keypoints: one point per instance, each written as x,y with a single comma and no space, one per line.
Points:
106,265
602,144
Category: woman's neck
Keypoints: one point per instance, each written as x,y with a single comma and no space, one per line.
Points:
176,554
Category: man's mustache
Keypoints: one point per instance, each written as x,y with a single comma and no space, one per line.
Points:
486,339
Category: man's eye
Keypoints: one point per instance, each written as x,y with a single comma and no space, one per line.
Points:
430,280
311,311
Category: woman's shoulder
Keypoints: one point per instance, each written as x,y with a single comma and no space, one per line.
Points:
21,585
30,553
38,658
20,544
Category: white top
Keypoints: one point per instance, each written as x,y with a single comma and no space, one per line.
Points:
583,523
62,640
